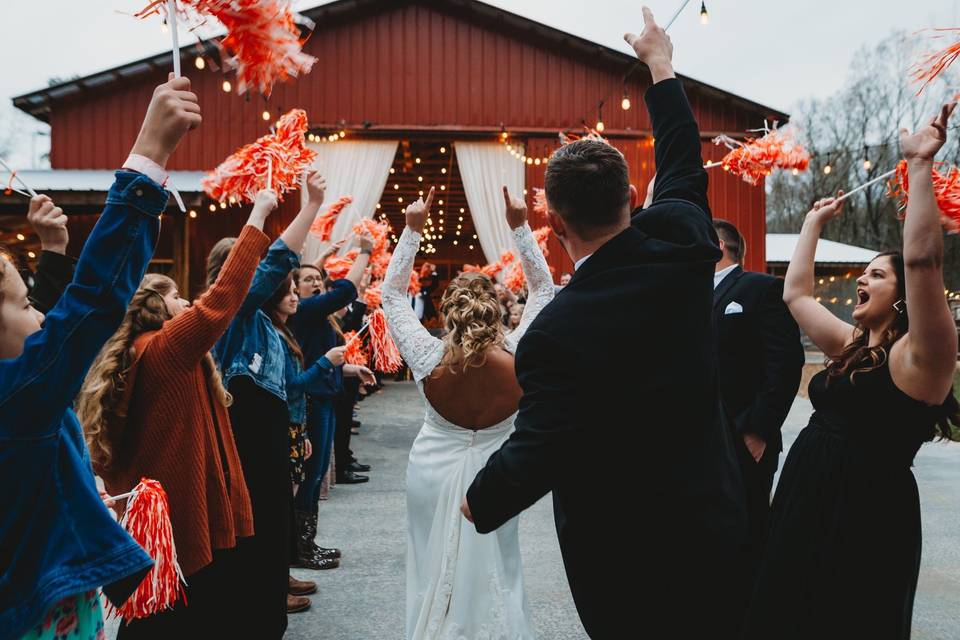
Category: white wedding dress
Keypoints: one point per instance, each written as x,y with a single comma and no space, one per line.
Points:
460,585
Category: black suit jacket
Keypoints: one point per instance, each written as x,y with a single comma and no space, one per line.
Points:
620,415
759,353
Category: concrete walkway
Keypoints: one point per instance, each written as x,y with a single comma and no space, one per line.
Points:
365,598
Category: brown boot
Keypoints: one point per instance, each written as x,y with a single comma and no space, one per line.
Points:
301,587
296,604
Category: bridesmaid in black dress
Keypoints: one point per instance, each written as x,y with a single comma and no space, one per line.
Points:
843,552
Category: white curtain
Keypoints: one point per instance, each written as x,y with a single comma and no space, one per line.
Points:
352,168
485,168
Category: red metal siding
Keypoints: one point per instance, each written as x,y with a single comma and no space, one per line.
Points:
406,68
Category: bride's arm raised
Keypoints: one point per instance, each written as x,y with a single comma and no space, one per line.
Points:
416,345
539,281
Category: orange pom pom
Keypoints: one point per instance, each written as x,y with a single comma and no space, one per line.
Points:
756,159
355,352
507,257
263,40
933,64
386,356
379,264
492,269
946,190
471,268
373,297
337,267
244,173
514,279
322,225
379,230
147,520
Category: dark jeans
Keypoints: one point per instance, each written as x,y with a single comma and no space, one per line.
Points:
320,430
344,423
261,428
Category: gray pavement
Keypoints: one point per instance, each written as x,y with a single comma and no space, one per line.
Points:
364,599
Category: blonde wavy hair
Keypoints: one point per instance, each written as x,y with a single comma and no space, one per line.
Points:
101,405
472,318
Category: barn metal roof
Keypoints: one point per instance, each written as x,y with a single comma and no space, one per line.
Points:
38,103
53,180
780,248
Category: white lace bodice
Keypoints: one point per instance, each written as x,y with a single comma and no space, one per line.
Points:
421,351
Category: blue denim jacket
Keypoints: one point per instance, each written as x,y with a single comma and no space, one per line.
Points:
56,536
298,382
252,346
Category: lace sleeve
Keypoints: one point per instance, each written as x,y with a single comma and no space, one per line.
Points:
421,351
539,281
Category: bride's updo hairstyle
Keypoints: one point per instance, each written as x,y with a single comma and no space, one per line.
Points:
471,317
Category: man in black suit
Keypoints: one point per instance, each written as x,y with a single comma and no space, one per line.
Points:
761,359
648,538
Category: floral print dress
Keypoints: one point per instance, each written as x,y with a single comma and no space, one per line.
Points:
77,617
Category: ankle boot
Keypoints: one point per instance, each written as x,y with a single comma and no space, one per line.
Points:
300,587
307,557
312,530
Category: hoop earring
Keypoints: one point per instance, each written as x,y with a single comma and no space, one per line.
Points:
900,306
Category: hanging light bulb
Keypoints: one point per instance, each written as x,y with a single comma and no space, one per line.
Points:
21,237
199,62
600,127
227,87
625,103
828,168
704,16
193,214
213,208
265,115
867,165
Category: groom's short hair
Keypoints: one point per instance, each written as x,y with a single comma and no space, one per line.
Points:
588,185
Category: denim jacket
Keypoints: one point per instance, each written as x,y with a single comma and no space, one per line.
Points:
298,382
57,538
252,346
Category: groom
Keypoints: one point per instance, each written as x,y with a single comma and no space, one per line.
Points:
620,414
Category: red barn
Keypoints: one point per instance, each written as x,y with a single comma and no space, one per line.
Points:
423,75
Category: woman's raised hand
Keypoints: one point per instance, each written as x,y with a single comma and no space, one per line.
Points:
516,210
924,144
825,210
418,211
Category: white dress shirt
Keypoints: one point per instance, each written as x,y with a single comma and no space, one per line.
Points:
723,273
579,263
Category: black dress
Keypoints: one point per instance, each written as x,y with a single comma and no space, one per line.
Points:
843,552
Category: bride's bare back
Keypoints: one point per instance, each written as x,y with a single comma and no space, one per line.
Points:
479,397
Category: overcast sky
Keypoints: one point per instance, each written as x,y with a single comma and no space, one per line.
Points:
775,52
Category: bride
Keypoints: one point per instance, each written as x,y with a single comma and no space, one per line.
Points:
461,584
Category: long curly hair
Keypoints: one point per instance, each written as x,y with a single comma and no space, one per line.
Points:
471,316
859,357
102,404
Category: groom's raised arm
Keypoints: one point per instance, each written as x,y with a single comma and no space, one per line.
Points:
679,212
544,446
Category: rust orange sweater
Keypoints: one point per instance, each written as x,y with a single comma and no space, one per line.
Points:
177,432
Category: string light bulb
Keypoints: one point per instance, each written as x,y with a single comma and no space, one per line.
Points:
21,237
704,16
600,126
828,168
193,214
227,87
199,62
213,208
625,103
867,165
265,115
